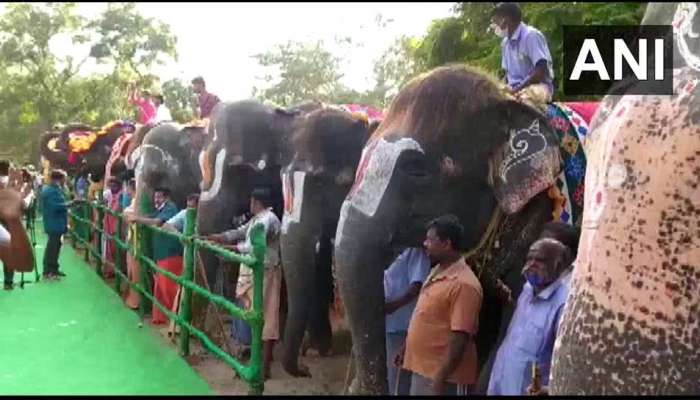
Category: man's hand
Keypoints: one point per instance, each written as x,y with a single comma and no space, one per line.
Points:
390,307
398,360
503,292
542,391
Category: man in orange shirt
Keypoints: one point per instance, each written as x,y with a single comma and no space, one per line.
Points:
440,347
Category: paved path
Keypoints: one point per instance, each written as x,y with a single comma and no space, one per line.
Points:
75,337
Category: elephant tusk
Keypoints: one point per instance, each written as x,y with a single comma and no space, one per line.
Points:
213,191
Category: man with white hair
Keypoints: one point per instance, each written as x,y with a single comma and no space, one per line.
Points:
533,328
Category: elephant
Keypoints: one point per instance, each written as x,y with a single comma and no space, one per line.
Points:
165,159
631,324
327,147
451,142
69,150
247,145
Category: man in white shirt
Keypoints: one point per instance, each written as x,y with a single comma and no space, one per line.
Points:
162,111
260,207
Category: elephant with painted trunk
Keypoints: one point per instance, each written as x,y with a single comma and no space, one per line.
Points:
631,324
452,142
248,143
165,158
327,147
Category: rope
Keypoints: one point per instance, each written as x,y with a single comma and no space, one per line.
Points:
479,255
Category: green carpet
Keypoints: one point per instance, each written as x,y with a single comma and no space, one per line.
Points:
76,337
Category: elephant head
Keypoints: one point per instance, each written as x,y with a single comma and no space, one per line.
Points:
327,147
631,324
165,160
451,142
58,149
247,145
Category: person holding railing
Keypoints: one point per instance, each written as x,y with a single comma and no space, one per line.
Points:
167,252
260,207
132,296
112,200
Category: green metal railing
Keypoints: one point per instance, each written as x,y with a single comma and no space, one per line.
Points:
251,373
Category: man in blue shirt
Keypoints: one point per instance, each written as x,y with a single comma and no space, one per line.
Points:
402,283
532,331
525,56
55,217
177,223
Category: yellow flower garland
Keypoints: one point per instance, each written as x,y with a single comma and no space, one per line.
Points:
82,144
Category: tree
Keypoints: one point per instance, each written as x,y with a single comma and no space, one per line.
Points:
39,89
179,99
300,72
465,37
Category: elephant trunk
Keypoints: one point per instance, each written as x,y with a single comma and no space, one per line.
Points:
360,252
298,254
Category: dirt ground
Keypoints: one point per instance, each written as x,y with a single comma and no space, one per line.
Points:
327,373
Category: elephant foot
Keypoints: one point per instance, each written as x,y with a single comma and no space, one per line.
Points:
298,371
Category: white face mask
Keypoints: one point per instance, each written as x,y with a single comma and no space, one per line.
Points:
500,32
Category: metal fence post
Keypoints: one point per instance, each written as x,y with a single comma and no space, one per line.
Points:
143,273
87,215
118,259
259,244
188,274
100,227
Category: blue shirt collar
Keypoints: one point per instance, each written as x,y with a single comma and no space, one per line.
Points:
518,32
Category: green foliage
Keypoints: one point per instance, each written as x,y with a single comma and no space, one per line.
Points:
300,72
465,38
39,89
179,99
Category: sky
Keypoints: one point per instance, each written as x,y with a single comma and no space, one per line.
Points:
217,40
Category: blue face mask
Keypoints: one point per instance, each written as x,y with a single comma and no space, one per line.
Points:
534,279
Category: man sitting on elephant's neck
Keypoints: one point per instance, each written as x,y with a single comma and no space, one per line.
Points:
206,100
533,328
261,208
440,348
525,56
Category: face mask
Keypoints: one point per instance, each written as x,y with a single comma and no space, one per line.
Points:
500,32
535,280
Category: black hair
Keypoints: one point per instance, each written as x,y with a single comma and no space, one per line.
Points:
4,167
193,196
131,183
199,80
263,195
448,227
56,175
567,234
160,98
509,10
164,190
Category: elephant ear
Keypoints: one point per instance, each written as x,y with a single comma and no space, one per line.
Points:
528,162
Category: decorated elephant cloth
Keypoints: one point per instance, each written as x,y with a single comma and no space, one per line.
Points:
118,151
527,164
80,141
370,114
571,128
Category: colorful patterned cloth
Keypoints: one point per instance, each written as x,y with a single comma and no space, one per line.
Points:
371,113
571,129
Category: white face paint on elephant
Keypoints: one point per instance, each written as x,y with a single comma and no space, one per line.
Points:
372,178
293,196
213,191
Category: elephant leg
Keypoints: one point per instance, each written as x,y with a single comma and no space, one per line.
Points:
299,277
320,332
